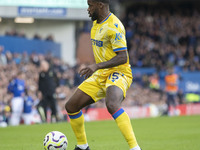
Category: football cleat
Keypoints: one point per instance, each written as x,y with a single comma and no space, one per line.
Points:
77,148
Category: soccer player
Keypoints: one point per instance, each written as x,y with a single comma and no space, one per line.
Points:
17,88
108,78
28,107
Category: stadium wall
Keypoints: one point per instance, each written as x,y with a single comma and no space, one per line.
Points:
84,51
20,45
62,30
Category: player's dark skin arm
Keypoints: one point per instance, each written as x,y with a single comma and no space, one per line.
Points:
119,59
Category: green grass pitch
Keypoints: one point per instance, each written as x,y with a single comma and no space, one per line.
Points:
162,133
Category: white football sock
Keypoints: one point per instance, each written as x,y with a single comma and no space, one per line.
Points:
136,148
84,146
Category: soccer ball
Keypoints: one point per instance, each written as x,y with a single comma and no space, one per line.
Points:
55,140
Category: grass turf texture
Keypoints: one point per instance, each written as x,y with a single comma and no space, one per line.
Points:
163,133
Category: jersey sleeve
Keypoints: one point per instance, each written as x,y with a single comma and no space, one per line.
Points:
118,40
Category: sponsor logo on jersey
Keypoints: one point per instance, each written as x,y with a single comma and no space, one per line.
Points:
97,43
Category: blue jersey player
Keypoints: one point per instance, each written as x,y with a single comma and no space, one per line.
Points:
17,88
28,107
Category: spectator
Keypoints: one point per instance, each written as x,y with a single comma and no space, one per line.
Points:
50,38
3,60
37,37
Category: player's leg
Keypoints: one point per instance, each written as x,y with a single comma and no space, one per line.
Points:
17,104
175,110
169,101
53,106
116,86
73,106
28,117
114,97
42,109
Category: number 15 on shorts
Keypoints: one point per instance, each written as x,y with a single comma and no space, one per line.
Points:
114,76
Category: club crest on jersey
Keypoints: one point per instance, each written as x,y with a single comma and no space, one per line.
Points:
118,36
116,25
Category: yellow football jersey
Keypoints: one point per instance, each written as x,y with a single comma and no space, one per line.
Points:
108,37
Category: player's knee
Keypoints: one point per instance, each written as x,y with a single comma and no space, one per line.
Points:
112,107
71,108
68,108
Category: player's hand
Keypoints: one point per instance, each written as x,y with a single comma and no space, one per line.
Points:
88,70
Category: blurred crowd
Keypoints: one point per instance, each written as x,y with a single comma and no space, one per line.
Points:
162,36
12,64
21,34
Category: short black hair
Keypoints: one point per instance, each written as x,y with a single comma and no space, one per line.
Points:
103,1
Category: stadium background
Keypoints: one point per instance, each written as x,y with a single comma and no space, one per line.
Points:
160,33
